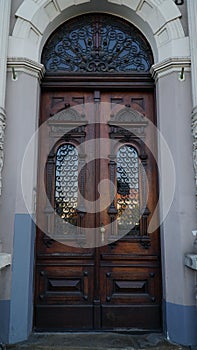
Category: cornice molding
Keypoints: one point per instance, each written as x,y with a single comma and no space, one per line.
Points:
25,65
170,65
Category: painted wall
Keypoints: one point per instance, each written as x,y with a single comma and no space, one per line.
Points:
184,18
174,111
14,7
17,231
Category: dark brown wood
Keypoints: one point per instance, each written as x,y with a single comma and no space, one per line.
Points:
117,285
98,81
47,318
97,301
119,316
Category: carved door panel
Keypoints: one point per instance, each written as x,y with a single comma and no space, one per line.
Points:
97,267
130,267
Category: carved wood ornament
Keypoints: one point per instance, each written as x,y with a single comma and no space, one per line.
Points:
128,127
2,128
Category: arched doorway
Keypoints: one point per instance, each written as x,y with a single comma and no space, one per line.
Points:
97,269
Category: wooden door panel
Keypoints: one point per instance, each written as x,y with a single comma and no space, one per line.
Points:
60,318
132,247
117,285
65,284
134,317
130,285
46,246
63,293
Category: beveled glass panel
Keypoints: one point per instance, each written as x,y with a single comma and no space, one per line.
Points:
66,183
127,198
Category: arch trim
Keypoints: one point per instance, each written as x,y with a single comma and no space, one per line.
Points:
34,17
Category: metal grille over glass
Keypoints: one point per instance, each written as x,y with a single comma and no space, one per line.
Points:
128,198
97,43
66,183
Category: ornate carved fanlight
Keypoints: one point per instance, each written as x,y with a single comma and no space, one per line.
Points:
97,43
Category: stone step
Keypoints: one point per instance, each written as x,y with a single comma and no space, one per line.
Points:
46,347
95,341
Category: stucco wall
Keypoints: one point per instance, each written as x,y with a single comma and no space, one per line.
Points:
184,19
174,109
14,6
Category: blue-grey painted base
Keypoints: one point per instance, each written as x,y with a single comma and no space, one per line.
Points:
181,323
21,307
4,321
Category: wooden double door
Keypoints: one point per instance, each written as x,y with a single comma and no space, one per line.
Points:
97,267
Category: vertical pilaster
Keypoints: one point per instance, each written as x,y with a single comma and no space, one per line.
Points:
5,6
173,108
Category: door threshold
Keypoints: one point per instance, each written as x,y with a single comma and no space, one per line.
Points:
131,331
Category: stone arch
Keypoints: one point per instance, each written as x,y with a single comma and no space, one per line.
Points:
158,20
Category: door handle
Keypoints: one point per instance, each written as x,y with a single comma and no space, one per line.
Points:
102,230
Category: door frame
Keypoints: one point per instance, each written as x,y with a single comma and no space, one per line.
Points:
103,82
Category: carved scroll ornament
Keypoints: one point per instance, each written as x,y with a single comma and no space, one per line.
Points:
194,132
2,128
97,43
